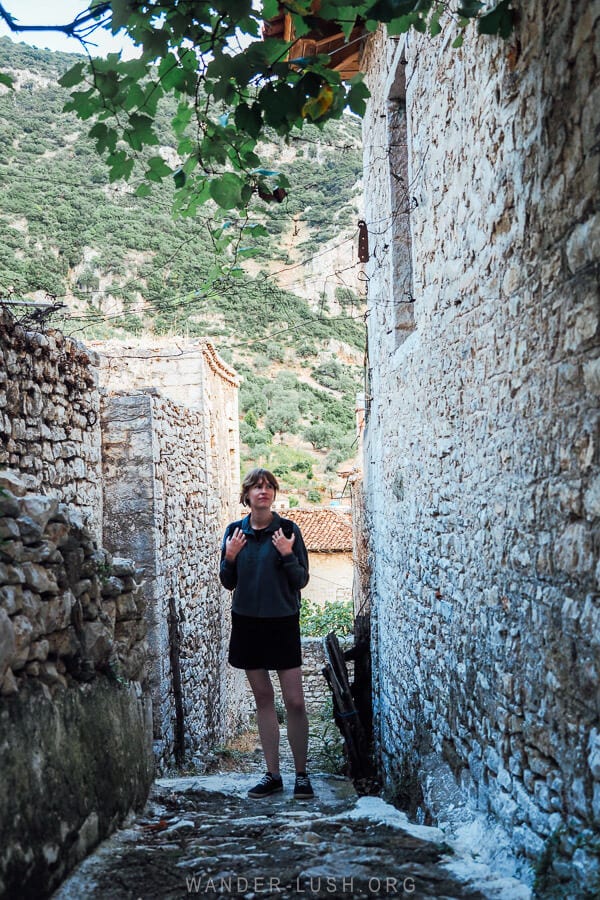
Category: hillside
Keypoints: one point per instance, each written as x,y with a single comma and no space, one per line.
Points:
289,320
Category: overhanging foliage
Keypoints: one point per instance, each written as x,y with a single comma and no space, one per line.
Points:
231,83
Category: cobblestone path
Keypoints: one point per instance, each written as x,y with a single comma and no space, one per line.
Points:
202,836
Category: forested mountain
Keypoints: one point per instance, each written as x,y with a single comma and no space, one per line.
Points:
289,319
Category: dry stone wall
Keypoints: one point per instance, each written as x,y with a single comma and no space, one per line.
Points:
317,694
49,415
481,447
80,647
170,480
68,608
72,656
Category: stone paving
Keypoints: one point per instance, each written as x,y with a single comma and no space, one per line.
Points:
202,836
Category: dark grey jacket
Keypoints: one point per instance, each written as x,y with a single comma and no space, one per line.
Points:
265,583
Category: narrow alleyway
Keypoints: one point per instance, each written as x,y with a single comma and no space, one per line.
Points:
201,835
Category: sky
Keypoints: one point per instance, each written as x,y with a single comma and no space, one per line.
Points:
58,12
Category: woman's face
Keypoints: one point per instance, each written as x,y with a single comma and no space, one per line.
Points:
261,495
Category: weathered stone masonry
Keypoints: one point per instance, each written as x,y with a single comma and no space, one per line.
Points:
49,408
79,638
171,476
75,723
481,450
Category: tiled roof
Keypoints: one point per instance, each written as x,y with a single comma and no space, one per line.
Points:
323,530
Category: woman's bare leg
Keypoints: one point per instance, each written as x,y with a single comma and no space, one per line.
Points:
297,720
266,716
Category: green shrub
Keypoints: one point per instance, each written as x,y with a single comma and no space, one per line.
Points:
317,621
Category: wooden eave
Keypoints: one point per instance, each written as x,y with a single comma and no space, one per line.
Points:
324,39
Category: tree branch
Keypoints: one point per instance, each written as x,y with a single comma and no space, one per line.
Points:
78,28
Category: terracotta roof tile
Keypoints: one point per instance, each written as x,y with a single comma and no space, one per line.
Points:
324,530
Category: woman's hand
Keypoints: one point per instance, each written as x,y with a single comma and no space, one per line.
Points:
282,544
234,544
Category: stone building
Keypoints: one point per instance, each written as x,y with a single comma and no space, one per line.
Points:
481,447
88,637
170,451
327,534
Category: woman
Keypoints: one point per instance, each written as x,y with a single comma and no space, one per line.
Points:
265,563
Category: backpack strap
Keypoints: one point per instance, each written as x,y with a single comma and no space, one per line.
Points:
287,526
231,528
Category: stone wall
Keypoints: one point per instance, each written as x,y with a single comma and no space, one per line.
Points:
481,449
76,751
49,415
316,690
76,718
170,482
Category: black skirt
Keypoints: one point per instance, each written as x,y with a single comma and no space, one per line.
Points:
265,643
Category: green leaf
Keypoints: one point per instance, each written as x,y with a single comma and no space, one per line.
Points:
236,9
157,169
108,63
226,191
301,26
278,102
185,146
140,132
458,42
105,137
500,20
188,60
387,10
356,97
469,8
134,68
248,119
134,98
256,229
156,42
182,119
345,16
270,9
247,191
84,103
180,178
249,159
144,190
121,13
249,25
262,54
434,23
152,94
121,166
72,76
400,25
171,75
6,80
107,84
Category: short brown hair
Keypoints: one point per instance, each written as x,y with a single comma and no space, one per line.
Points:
253,477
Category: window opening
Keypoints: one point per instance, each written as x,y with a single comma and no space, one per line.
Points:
402,321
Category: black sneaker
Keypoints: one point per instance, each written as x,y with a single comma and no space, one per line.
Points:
268,784
303,788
